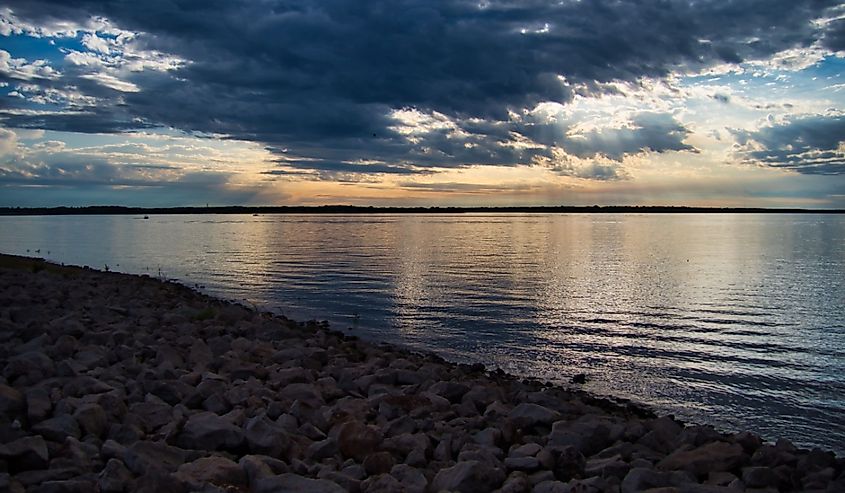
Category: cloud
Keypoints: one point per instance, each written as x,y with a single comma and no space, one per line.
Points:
812,144
336,84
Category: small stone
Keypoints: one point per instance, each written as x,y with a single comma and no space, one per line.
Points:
322,450
527,450
38,404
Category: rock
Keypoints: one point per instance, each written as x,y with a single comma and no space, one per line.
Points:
12,403
25,453
639,479
114,478
215,470
35,365
489,437
305,393
378,463
411,479
405,443
716,456
85,385
759,477
517,482
551,486
452,391
322,449
38,404
260,466
64,486
522,463
153,413
568,463
146,457
468,476
266,437
58,428
383,483
588,434
613,466
527,415
357,440
208,431
294,482
92,419
527,450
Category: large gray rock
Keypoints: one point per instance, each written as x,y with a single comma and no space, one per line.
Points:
58,428
468,476
38,404
294,482
588,434
114,478
146,457
411,478
712,457
266,437
208,431
527,415
452,391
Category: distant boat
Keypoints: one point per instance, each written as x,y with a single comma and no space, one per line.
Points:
146,217
255,215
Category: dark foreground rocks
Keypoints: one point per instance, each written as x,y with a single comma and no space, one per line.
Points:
116,383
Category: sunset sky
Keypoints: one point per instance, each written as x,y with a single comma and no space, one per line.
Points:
421,102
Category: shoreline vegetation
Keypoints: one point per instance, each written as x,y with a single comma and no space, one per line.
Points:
114,382
351,209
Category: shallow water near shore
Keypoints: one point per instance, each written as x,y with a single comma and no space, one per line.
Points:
730,319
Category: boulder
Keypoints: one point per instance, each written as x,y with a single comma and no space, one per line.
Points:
468,476
92,419
25,453
114,478
266,437
145,457
215,470
58,428
452,391
295,482
208,431
12,402
640,478
527,415
411,478
715,456
357,440
378,463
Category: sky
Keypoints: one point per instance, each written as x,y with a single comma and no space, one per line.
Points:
421,102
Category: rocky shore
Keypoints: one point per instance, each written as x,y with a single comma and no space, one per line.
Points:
114,383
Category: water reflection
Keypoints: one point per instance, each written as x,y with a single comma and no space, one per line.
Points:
737,320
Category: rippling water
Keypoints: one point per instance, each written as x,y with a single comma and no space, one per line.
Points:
729,319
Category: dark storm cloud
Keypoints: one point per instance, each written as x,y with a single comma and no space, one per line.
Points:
809,145
321,78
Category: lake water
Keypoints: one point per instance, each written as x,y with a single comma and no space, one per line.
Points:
729,319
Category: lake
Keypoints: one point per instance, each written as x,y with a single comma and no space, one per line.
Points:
736,320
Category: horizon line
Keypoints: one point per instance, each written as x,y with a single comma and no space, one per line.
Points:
363,209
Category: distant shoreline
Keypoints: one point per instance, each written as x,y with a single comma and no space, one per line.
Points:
350,209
